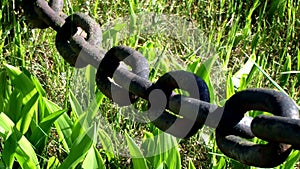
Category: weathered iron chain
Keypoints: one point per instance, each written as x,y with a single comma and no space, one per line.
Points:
282,131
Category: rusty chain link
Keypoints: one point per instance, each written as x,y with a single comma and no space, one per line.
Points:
282,131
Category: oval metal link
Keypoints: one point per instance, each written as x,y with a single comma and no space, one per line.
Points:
69,44
51,15
279,129
268,155
52,18
33,17
197,88
108,66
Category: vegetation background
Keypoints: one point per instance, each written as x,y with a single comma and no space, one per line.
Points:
42,124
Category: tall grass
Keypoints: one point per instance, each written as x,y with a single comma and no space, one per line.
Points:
45,124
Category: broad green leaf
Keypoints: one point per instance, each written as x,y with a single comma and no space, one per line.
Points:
38,86
78,128
292,160
25,154
6,125
3,86
193,67
27,114
42,130
229,86
90,74
48,121
93,160
75,105
82,123
112,33
63,124
64,127
14,106
243,82
191,165
211,89
162,165
107,144
2,164
9,150
243,72
136,154
167,151
205,68
20,80
53,163
221,164
173,160
159,157
79,149
17,146
148,145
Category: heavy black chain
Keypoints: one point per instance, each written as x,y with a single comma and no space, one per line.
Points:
282,131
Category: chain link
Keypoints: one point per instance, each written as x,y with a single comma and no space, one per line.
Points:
79,50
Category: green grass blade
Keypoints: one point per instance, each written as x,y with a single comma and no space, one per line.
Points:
191,165
205,68
221,164
229,86
63,124
6,129
267,76
3,89
38,86
292,160
148,146
298,60
107,144
286,67
136,154
163,165
25,154
78,127
93,160
14,106
53,163
298,66
41,132
17,146
9,150
28,111
90,78
173,160
64,127
243,72
20,80
79,149
6,125
76,107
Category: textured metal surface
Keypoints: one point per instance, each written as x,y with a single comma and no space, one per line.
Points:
197,89
268,155
278,129
33,10
108,67
52,16
70,45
